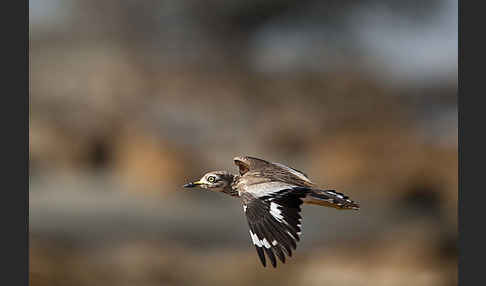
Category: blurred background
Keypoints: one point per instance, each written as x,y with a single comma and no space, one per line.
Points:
132,99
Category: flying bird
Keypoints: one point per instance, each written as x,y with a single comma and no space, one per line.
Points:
271,195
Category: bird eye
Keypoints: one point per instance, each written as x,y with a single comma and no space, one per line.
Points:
211,179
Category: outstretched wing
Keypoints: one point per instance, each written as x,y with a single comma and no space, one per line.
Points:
274,219
247,163
274,171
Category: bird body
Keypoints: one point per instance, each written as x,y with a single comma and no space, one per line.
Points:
271,195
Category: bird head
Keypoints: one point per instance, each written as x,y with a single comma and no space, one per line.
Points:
214,181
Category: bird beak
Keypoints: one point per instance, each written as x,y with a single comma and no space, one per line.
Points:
192,184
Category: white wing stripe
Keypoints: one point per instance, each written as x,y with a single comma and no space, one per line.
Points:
260,243
255,239
265,243
336,194
275,212
288,232
268,188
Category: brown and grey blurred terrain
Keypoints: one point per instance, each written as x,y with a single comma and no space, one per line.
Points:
132,99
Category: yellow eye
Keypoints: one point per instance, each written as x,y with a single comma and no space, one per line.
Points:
211,179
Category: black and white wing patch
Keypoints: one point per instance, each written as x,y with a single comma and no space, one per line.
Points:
275,222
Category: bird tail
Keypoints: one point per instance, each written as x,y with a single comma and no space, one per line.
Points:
330,198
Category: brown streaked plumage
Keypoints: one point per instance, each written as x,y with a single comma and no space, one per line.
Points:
272,195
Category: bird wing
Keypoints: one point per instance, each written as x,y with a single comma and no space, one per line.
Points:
273,210
273,171
247,163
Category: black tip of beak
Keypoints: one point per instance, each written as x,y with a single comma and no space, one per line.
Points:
189,185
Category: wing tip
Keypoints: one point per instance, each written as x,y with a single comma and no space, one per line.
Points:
271,256
261,255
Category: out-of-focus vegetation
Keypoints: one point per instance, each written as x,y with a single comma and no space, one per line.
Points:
132,99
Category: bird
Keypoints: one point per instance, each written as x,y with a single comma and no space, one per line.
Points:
271,195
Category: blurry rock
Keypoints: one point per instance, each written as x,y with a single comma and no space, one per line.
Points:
385,158
100,153
422,199
403,257
52,148
152,163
